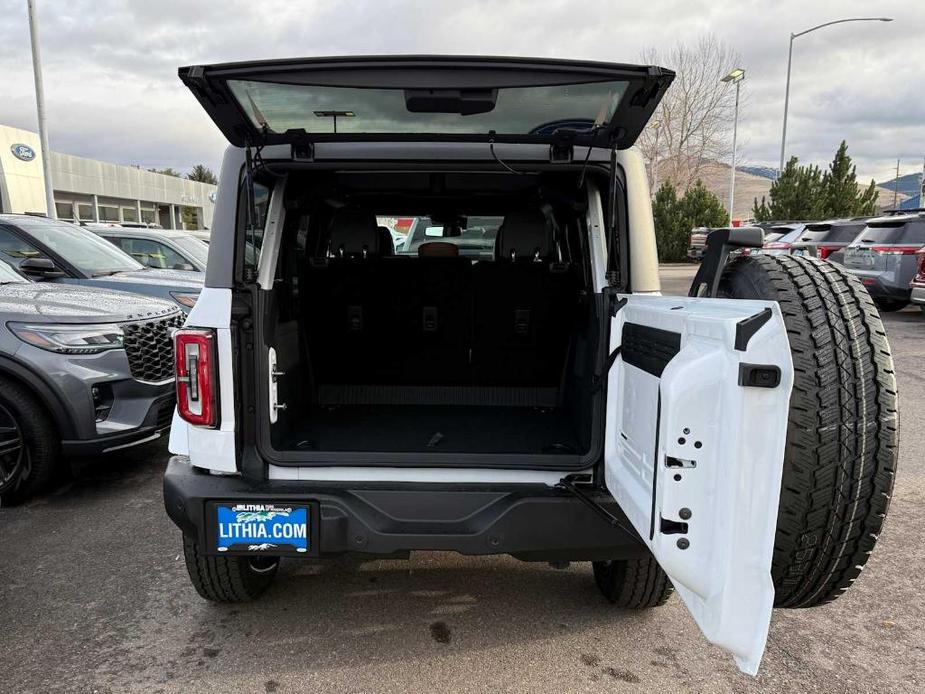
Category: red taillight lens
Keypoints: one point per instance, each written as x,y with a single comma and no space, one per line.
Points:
196,373
826,251
920,275
894,250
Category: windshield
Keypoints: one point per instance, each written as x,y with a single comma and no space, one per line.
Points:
347,110
83,249
194,248
911,232
7,274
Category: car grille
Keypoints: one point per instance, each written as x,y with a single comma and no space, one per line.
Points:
149,347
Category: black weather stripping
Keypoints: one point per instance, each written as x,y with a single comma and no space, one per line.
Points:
648,348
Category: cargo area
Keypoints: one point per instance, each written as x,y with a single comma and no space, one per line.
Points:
434,313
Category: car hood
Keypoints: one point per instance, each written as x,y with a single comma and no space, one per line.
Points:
46,302
180,280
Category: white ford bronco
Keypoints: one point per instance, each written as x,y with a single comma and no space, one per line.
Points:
432,321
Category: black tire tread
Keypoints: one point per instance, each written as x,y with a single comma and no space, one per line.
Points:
41,437
224,579
635,584
843,426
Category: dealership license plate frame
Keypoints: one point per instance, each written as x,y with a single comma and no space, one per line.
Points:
312,530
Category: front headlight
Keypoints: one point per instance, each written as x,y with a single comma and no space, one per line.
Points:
70,339
187,300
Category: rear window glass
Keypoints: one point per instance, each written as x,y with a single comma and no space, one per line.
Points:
348,110
900,232
473,235
834,233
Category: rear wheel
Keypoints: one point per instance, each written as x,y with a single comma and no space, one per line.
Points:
889,305
228,579
635,584
28,444
843,426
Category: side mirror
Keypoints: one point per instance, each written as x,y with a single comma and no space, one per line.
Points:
184,266
39,268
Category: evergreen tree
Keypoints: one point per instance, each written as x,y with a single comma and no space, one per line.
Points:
203,174
670,236
804,192
701,208
796,194
675,218
841,195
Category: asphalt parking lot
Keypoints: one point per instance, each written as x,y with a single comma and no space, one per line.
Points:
94,597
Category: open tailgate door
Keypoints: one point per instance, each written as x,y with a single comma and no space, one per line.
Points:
428,98
697,410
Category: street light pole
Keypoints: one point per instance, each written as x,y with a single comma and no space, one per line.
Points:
40,109
783,137
735,77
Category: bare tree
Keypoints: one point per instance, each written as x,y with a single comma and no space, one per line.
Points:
692,126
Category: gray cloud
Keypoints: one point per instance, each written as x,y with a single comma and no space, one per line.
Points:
113,94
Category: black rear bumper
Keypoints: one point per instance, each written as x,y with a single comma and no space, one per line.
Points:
531,522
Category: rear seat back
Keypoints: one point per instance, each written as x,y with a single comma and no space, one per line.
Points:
346,316
434,325
436,319
524,306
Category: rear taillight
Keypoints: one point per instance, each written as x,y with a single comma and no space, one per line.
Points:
197,376
920,274
894,250
826,251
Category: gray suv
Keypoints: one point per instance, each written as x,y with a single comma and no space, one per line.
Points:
82,371
53,251
883,257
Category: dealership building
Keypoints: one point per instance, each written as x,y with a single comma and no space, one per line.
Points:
87,190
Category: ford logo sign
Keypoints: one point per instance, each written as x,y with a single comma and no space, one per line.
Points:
23,152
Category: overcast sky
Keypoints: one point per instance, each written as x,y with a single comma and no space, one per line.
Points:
112,92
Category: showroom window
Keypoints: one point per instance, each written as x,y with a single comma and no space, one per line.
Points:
84,212
109,214
148,215
129,214
65,211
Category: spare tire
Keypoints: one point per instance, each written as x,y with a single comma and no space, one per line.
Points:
843,426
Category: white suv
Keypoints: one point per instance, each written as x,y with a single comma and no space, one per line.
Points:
516,384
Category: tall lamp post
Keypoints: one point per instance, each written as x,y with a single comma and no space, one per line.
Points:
40,109
735,77
783,137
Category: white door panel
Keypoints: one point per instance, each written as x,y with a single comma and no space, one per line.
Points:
695,459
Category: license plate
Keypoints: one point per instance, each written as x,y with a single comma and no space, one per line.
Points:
263,528
861,259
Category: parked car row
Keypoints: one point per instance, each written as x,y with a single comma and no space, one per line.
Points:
885,252
86,353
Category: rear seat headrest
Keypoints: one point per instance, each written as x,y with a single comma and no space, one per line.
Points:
438,249
386,246
524,235
354,233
